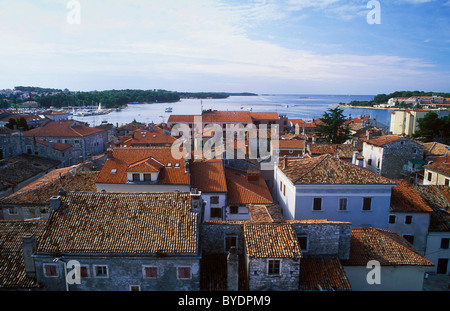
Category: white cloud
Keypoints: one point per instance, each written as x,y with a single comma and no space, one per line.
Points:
175,41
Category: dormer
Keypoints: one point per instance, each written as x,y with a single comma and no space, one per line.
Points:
144,171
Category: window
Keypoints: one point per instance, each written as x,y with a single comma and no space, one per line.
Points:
369,162
284,189
184,273
150,272
273,267
29,149
135,288
303,243
13,211
447,182
281,186
445,243
136,177
84,272
317,206
214,200
101,271
392,219
430,176
367,204
50,270
343,204
408,220
147,177
169,164
216,212
177,164
234,209
409,238
230,241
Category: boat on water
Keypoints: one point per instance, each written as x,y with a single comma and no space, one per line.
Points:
250,109
168,109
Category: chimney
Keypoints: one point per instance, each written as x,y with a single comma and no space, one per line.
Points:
284,162
368,134
109,154
55,202
253,176
232,270
28,249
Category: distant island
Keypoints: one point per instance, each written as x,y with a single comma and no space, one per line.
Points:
383,99
48,97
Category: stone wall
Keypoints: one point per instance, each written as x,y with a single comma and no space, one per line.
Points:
260,279
396,154
212,237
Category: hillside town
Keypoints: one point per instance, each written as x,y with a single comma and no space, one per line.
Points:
301,214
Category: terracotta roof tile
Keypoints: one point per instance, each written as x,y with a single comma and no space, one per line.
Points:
12,268
114,170
438,198
242,191
115,222
208,176
381,140
271,241
387,247
41,190
327,169
61,129
441,168
323,273
405,199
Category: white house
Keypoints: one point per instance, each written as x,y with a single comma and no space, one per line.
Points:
437,174
410,215
387,155
326,187
397,265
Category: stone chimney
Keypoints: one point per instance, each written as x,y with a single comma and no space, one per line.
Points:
232,270
28,249
109,154
55,202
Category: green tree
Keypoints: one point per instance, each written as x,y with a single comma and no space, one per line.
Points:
433,128
333,126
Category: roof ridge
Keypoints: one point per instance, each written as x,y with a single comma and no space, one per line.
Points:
239,182
325,156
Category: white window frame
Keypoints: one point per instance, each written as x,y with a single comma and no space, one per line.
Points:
190,273
50,264
101,276
134,285
15,209
346,205
150,278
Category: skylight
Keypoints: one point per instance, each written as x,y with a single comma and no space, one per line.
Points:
113,171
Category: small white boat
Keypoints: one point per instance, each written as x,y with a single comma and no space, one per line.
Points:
168,109
250,109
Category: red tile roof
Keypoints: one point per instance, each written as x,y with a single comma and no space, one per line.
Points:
323,273
242,191
225,117
124,157
142,137
271,241
208,176
61,129
441,168
112,223
291,144
381,140
327,169
12,267
387,247
405,199
41,190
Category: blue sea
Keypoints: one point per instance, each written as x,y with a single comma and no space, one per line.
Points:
305,107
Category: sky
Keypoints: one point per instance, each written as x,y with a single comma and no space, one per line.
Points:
260,46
